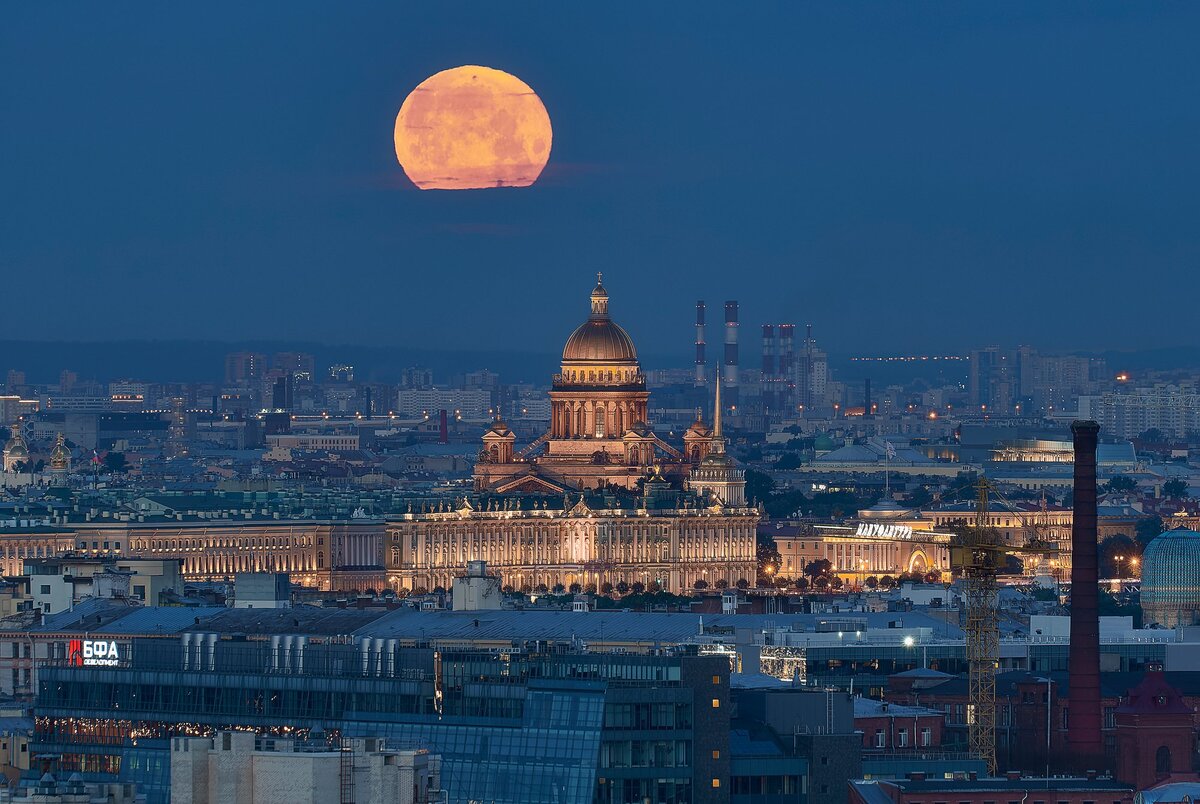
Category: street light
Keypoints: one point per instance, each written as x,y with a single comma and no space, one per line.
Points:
1119,559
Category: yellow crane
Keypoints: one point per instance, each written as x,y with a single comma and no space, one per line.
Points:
978,555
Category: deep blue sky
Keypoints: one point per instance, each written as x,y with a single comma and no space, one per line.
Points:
905,176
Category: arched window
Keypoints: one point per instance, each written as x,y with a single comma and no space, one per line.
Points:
1162,761
320,560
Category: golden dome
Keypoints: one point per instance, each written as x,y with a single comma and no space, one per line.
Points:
600,339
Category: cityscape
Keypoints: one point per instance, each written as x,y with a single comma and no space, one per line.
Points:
410,430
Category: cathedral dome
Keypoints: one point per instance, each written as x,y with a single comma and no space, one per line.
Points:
599,339
1171,578
15,448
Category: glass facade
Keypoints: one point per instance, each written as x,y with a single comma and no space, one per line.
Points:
511,726
547,757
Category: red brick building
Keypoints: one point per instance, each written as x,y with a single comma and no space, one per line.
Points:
1156,734
1011,789
1021,711
889,727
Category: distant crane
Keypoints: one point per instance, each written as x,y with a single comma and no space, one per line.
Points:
978,555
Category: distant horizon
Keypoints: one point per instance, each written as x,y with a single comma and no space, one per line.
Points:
201,360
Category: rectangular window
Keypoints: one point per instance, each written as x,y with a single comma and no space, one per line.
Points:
716,703
926,736
716,680
716,754
45,589
903,738
716,782
880,739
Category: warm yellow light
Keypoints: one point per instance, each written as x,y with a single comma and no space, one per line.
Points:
472,127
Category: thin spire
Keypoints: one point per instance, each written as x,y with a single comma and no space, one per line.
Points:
717,407
599,278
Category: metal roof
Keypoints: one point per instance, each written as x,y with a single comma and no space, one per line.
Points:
293,620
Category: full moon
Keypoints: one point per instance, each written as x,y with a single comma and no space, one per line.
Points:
472,127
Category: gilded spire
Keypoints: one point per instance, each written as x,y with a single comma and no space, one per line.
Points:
718,443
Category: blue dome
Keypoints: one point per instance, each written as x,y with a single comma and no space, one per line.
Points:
1171,577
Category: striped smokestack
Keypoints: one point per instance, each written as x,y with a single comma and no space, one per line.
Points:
731,353
1083,738
701,365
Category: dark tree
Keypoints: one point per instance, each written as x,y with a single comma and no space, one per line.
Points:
1121,484
700,584
820,567
1176,489
789,461
606,588
871,582
1148,528
115,462
742,583
759,486
622,587
1117,554
575,588
722,583
637,587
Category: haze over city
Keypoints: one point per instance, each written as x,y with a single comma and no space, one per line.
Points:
464,403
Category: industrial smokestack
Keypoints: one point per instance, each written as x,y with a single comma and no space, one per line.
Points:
701,364
1083,738
867,398
731,353
770,374
443,427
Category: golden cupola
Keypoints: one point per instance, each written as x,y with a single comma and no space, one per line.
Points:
599,351
60,456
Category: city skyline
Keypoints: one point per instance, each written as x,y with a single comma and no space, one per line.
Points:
929,156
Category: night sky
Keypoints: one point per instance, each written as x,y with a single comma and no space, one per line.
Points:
906,176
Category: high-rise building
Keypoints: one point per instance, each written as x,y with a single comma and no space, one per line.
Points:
795,378
298,364
416,377
244,368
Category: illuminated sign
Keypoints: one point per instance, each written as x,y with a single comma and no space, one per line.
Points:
92,653
875,530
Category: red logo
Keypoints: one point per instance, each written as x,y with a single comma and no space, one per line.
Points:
75,653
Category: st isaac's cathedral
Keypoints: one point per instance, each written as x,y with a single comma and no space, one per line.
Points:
598,434
598,499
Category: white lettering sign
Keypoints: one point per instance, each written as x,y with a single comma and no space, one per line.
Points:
876,530
93,653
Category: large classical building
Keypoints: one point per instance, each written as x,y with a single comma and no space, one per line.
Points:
598,434
598,499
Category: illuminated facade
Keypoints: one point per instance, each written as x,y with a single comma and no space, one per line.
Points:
598,433
327,555
665,537
858,553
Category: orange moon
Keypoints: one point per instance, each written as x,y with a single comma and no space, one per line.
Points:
472,127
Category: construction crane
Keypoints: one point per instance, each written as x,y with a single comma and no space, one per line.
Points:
978,555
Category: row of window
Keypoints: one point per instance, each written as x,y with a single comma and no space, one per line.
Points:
926,738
